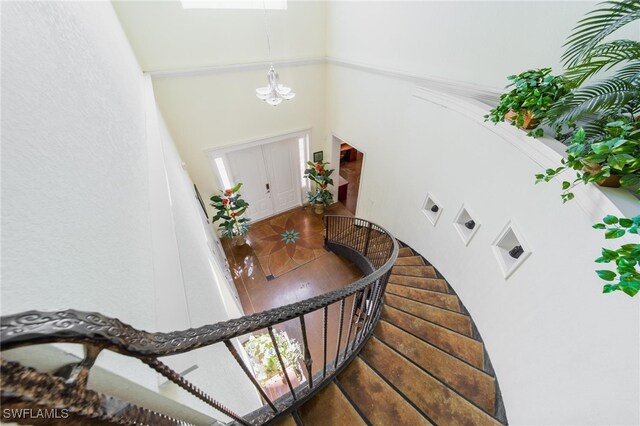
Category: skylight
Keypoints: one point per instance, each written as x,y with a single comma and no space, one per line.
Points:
234,4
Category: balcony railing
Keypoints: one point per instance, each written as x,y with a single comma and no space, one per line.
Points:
367,245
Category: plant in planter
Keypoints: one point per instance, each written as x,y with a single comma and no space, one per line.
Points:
318,173
612,160
587,55
527,104
626,258
606,148
265,360
231,209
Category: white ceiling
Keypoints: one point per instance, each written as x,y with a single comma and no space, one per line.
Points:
165,36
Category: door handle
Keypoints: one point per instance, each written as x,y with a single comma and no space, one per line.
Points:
268,189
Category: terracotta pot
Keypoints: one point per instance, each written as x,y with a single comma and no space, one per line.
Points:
318,208
528,123
612,181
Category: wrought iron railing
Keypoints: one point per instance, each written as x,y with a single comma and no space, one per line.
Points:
369,246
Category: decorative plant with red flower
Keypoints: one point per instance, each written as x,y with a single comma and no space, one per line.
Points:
231,209
320,175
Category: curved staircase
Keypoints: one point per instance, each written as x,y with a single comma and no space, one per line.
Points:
425,363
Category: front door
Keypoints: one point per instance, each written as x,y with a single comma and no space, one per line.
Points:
248,166
282,160
270,176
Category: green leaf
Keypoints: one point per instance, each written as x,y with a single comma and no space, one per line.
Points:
236,188
608,288
626,222
614,233
609,254
599,226
610,220
606,275
629,180
630,287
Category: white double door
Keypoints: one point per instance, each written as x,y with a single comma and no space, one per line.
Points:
270,176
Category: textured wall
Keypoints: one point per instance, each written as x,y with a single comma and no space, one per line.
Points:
75,194
97,212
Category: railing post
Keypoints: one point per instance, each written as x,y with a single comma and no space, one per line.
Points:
253,380
368,238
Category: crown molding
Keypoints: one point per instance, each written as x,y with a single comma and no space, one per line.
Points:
482,93
241,66
485,94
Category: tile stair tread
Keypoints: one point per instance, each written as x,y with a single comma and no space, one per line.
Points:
452,320
435,298
416,271
434,284
405,251
409,261
473,384
438,401
378,401
456,344
315,412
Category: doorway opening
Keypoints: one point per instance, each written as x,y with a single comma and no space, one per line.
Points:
270,171
351,161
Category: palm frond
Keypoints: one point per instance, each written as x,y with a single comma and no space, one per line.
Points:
598,24
612,94
630,73
604,57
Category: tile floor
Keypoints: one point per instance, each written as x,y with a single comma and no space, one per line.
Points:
296,277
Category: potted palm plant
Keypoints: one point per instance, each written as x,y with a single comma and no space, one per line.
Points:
231,210
320,196
526,105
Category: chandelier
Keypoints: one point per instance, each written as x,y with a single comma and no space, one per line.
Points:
274,93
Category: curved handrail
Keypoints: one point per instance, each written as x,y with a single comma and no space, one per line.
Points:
362,241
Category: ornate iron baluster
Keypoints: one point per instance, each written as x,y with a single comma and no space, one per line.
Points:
78,373
324,343
308,361
363,316
284,367
240,362
167,372
335,364
353,309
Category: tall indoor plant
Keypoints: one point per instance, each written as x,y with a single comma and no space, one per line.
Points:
320,176
231,210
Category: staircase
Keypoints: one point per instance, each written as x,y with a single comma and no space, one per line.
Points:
425,363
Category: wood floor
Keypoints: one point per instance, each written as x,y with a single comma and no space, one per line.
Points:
326,272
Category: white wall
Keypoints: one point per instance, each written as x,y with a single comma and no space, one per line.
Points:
549,331
472,41
215,110
96,205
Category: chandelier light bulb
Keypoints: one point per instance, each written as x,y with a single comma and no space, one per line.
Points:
274,93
